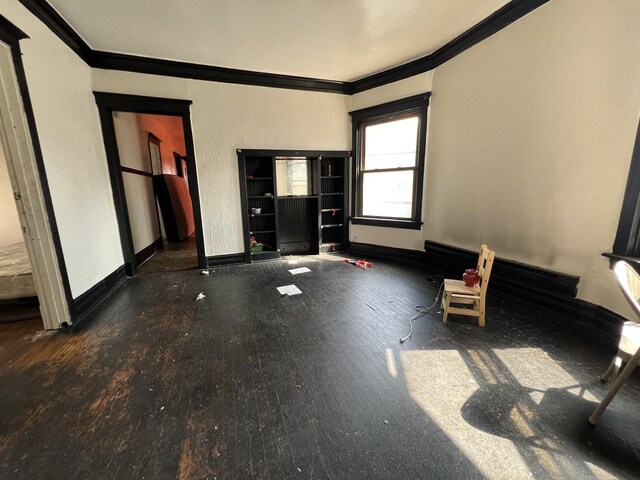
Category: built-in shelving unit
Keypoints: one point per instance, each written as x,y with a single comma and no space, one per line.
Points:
333,203
259,192
309,222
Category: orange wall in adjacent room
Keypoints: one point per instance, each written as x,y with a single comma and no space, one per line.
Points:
170,131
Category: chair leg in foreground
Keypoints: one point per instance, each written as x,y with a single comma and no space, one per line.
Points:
613,390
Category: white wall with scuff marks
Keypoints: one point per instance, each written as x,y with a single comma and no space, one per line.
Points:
226,117
531,138
10,229
69,130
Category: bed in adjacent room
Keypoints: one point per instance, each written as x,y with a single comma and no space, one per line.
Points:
16,279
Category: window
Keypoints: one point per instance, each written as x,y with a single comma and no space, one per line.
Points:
389,142
627,242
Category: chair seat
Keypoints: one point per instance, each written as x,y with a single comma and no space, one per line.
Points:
630,338
458,286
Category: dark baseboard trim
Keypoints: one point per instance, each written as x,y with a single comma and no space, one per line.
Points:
514,275
503,17
90,299
554,290
385,253
144,254
500,19
229,259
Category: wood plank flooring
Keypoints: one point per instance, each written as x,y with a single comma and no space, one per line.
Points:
248,384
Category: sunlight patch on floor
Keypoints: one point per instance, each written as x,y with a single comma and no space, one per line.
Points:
491,404
440,382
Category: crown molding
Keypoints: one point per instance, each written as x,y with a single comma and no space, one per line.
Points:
500,19
171,68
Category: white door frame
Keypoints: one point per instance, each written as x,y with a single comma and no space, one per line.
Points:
15,139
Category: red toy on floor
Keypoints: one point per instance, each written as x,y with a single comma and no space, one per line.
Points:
359,263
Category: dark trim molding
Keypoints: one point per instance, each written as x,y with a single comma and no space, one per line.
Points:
387,222
11,35
416,104
52,19
107,104
136,172
146,253
171,68
90,299
155,66
291,153
495,22
229,259
627,242
385,253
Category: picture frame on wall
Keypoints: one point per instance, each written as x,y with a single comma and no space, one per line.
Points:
155,155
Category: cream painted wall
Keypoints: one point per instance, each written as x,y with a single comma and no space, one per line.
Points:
392,237
141,201
530,140
71,139
10,230
226,117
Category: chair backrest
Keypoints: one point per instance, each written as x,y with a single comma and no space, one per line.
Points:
485,264
629,282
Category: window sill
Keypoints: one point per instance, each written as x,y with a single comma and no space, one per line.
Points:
615,257
386,222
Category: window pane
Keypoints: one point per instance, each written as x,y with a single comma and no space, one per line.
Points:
391,144
387,194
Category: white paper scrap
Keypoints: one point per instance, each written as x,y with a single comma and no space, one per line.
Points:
289,290
293,262
296,271
200,296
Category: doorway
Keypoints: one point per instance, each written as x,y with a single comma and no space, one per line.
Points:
41,267
158,209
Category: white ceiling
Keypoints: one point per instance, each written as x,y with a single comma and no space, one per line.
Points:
330,39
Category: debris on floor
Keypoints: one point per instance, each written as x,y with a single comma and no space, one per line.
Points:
363,264
204,272
289,290
200,296
296,271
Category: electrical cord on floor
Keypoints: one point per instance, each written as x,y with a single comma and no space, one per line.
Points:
421,309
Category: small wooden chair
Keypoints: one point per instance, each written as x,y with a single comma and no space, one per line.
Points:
456,292
629,345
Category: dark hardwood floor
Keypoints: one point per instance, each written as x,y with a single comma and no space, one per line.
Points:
248,384
172,257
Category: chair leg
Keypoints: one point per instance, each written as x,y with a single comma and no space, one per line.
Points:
445,306
481,317
613,390
607,375
617,365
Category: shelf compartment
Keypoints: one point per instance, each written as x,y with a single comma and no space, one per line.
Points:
333,235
